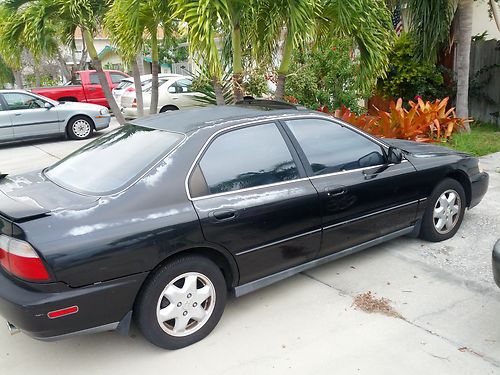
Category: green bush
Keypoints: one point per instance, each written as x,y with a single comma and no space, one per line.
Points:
409,77
326,77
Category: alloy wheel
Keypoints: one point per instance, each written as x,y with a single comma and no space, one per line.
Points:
446,211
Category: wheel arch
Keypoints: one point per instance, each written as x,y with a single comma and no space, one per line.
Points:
221,257
464,180
169,107
67,99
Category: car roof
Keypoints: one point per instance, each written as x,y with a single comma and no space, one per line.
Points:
188,120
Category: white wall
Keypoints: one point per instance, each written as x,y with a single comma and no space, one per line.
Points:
482,22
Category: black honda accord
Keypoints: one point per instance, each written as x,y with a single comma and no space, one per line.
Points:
187,206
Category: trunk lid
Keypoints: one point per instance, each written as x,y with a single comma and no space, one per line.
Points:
31,195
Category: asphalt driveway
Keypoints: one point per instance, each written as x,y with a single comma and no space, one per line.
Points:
448,305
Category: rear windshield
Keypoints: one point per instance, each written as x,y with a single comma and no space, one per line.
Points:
113,161
123,85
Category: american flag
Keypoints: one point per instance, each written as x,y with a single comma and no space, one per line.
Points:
397,19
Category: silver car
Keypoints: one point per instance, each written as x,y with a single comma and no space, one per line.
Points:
26,115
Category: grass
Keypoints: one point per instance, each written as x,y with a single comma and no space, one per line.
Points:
483,139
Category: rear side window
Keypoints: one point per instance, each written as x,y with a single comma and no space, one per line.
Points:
113,161
94,79
123,85
245,158
332,148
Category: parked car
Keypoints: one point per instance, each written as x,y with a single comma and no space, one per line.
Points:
188,205
25,115
173,93
496,262
127,84
86,90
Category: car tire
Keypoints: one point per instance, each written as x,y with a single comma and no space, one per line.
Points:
445,211
181,302
168,108
80,127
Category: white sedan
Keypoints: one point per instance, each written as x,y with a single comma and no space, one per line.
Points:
174,93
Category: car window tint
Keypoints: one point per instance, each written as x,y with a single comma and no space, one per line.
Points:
113,160
123,85
331,148
247,157
116,77
16,101
94,79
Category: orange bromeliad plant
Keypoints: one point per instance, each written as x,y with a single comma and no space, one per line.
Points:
423,122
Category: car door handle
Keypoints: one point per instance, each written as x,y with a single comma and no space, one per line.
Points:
335,191
224,214
17,114
91,89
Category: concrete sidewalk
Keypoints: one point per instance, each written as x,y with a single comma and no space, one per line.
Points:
444,292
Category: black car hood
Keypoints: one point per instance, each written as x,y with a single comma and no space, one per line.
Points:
32,194
421,149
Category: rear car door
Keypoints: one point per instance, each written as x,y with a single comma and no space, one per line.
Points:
6,129
249,191
182,94
29,116
363,197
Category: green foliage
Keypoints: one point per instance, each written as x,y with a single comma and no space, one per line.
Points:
255,84
483,139
45,80
326,76
408,76
6,75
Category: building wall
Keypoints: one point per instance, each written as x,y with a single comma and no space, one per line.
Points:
482,22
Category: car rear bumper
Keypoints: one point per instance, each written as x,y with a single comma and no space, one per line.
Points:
496,263
479,186
100,306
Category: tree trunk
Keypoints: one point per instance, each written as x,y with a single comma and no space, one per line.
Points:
153,107
38,80
18,77
66,73
237,64
496,13
89,42
464,14
286,59
140,62
138,88
219,96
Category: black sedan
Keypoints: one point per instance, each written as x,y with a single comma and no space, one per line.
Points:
187,206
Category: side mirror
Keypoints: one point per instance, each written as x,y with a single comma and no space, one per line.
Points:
47,105
394,155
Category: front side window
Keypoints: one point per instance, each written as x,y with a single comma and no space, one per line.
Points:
114,160
247,157
17,101
331,148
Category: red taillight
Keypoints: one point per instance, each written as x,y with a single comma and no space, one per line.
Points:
21,260
130,89
62,312
134,103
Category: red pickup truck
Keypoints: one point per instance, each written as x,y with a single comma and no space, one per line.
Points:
87,88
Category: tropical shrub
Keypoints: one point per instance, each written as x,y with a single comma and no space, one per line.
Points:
326,76
423,121
408,76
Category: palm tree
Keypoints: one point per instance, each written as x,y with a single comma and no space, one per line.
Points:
67,15
431,22
204,19
292,23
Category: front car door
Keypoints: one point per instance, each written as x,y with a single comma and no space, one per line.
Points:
29,116
251,196
6,129
363,196
93,90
